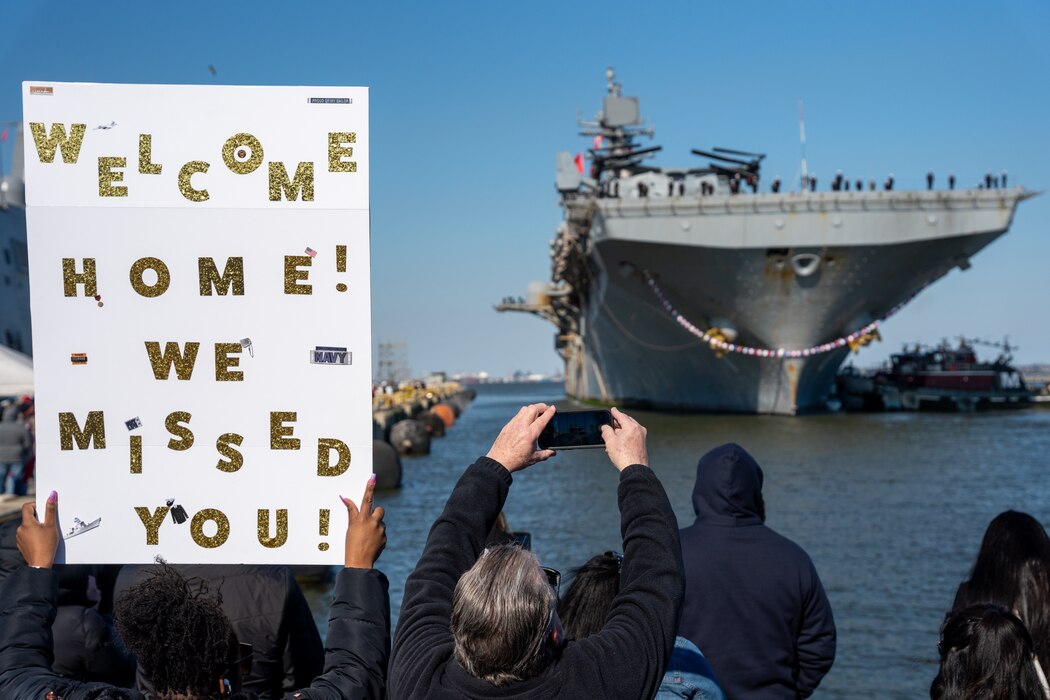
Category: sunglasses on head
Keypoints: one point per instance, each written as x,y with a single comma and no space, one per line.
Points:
618,557
553,578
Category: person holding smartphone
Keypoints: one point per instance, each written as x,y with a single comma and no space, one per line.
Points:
482,623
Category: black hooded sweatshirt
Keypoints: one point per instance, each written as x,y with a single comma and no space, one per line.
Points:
753,601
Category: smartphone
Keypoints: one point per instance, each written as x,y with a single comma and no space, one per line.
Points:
570,430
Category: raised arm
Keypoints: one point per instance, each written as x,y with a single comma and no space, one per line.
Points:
357,646
455,541
27,610
644,615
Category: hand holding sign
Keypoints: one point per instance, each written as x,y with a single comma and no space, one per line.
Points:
38,541
366,531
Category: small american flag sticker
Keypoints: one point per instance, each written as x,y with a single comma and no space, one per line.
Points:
311,252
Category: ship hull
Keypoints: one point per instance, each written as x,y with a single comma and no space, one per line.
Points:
776,271
15,331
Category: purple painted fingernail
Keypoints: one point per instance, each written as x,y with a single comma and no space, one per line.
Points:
53,497
372,479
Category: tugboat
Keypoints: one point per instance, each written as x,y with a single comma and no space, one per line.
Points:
940,378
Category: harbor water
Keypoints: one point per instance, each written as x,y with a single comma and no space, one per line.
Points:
891,507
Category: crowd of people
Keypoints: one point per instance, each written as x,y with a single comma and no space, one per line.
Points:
17,445
723,608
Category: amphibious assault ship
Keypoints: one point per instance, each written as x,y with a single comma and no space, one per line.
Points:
689,289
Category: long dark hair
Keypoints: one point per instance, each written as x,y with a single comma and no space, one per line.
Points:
986,654
1013,570
586,603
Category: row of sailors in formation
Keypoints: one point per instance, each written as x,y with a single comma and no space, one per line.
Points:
809,184
842,184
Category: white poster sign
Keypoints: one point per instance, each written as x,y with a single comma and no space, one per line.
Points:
199,268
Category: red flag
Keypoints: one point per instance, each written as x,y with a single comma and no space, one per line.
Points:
579,162
3,135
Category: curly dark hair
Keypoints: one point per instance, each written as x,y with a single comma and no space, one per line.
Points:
178,632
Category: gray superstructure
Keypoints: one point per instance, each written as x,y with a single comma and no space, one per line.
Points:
687,289
14,260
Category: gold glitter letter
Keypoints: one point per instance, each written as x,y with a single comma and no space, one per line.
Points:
172,357
264,528
152,521
303,181
163,277
107,176
280,434
223,362
187,171
184,434
242,153
46,145
136,454
324,452
337,151
232,277
93,434
224,445
146,164
221,534
292,274
71,278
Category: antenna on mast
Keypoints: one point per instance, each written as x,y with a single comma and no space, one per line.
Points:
802,141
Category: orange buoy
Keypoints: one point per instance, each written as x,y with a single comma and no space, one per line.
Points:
445,413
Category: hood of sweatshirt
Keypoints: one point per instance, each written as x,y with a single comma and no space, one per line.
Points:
728,489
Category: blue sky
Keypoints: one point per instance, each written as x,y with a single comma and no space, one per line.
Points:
471,100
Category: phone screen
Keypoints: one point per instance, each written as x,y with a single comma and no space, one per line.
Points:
573,429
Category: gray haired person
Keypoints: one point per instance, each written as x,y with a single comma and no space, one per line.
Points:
479,623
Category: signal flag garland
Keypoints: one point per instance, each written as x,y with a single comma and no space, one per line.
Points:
714,337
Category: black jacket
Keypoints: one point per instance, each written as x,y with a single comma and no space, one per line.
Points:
625,660
267,609
357,645
88,647
753,601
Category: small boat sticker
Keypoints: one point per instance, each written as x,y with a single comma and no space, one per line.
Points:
80,527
